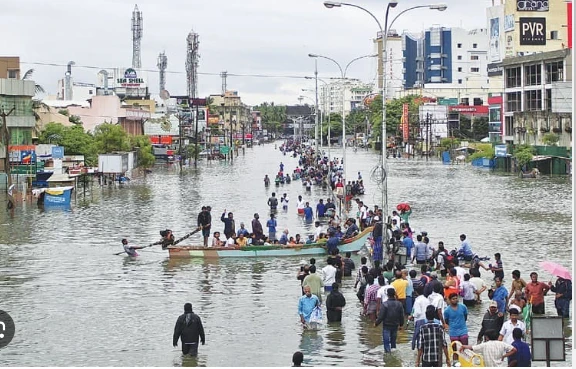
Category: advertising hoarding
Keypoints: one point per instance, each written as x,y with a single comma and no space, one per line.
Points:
495,40
509,23
533,31
532,5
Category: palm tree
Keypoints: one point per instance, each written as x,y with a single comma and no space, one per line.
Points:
28,76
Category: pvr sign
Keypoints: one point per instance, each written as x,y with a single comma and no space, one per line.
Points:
532,31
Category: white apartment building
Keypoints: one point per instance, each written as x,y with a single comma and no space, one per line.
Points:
350,93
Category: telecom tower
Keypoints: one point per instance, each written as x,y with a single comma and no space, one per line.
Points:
162,64
192,57
137,27
223,75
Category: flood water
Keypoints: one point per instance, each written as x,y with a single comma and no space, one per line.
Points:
74,303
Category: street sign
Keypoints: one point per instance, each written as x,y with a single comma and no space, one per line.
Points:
57,152
224,150
500,151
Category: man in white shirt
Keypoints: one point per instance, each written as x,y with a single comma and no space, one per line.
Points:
437,300
509,325
284,200
398,221
317,231
230,242
478,283
418,315
329,275
300,205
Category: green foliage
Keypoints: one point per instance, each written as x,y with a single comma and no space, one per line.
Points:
74,119
550,139
524,154
335,122
484,151
394,110
272,115
64,112
449,143
74,140
143,148
191,151
110,138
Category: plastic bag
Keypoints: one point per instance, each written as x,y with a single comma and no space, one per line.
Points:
316,316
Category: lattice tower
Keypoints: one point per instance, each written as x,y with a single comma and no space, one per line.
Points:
162,65
137,28
192,58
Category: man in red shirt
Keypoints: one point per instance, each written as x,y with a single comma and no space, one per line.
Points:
535,293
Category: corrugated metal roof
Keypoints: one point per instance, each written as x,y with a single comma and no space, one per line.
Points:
556,54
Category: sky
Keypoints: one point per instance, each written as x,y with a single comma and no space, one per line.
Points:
262,44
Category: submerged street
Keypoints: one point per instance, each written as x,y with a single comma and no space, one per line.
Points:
74,303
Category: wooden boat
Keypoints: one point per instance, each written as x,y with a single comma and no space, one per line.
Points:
185,252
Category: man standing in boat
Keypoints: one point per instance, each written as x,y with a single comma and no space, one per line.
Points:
204,221
257,228
229,225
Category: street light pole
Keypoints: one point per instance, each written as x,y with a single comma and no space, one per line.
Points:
384,35
316,104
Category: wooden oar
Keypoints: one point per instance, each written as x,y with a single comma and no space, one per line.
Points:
190,234
152,244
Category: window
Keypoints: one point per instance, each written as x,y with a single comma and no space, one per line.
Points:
554,35
548,102
465,101
459,69
554,71
532,75
459,81
474,57
478,101
474,70
459,57
513,101
513,77
474,46
509,125
533,100
13,74
90,92
459,46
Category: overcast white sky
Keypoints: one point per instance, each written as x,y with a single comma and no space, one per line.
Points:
265,37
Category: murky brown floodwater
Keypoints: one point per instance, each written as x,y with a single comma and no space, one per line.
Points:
76,304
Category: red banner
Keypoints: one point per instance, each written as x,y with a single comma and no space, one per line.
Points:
405,123
158,140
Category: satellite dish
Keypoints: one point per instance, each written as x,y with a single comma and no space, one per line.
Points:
164,94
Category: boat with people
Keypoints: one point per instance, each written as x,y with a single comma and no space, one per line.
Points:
353,244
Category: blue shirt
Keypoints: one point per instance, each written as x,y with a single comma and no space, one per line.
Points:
500,295
321,209
283,239
522,354
308,213
271,224
456,320
243,231
466,249
306,305
409,244
332,243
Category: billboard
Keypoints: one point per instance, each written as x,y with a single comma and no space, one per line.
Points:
509,46
130,78
532,5
509,23
569,23
495,40
495,69
405,123
533,31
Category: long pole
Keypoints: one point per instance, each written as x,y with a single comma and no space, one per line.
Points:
6,143
196,138
316,104
384,185
344,162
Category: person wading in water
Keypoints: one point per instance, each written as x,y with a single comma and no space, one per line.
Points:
189,330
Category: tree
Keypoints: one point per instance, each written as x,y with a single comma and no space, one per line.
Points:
272,115
394,111
28,76
75,119
484,151
524,154
74,140
110,138
143,148
550,139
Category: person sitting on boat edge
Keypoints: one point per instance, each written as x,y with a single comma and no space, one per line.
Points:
284,237
129,249
241,241
167,239
216,242
352,229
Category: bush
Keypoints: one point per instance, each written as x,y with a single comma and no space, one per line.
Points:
484,151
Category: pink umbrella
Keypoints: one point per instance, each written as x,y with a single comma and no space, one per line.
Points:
556,269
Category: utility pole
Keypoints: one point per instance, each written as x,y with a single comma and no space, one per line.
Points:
196,139
5,143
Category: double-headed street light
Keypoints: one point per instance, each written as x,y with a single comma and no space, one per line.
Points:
343,77
384,35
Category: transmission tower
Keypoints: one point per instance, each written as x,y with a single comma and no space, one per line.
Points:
224,75
162,64
137,28
192,57
68,81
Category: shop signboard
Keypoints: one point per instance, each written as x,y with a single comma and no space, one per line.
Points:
533,31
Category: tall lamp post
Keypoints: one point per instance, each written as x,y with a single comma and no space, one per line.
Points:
384,35
323,111
343,75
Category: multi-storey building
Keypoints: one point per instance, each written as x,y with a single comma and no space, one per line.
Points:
348,93
538,97
10,67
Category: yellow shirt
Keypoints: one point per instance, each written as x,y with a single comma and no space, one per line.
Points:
400,286
242,241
